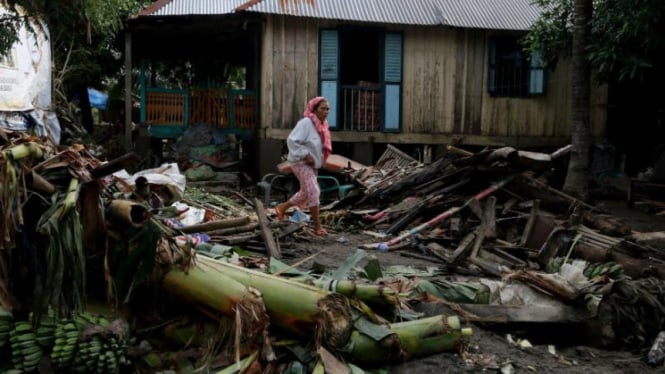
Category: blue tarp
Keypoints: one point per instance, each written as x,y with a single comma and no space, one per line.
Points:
97,98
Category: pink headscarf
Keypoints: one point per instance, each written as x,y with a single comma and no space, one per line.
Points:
321,128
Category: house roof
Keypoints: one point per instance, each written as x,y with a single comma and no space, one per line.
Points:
168,8
478,14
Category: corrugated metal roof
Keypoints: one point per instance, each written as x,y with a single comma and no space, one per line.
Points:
480,14
414,12
192,7
490,14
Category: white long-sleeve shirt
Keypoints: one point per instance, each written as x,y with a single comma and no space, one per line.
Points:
304,140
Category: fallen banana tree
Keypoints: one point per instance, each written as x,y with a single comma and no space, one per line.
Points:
379,294
379,345
330,315
294,306
215,293
407,340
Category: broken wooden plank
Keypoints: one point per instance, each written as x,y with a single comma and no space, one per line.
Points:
290,229
489,215
478,242
502,258
559,193
445,215
234,230
526,232
487,228
552,284
125,161
438,251
463,248
272,246
487,266
410,215
215,225
234,239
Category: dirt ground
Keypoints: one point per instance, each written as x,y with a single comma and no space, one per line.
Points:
556,349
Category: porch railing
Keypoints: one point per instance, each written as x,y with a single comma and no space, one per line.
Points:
170,112
209,106
165,111
361,107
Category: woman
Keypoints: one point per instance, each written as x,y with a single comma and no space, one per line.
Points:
309,146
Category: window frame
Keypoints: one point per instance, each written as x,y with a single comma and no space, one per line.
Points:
529,68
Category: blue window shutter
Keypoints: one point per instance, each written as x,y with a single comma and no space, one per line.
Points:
536,74
329,71
392,76
393,58
491,76
329,52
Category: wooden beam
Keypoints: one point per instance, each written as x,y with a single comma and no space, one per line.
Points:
464,248
234,230
123,162
215,225
272,246
128,91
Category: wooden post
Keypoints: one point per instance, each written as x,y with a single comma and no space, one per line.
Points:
128,91
272,246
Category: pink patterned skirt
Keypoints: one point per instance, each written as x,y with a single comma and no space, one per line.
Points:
309,193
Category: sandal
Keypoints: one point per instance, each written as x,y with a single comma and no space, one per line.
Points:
321,232
280,215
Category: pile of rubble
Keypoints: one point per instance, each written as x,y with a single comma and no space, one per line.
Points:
198,271
543,256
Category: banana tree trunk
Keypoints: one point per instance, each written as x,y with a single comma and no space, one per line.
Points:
419,338
379,294
296,307
215,294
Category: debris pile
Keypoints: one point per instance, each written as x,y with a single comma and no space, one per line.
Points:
193,279
79,231
494,215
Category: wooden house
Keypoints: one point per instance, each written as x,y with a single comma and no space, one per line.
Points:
418,73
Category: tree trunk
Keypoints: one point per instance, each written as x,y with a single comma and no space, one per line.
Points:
576,183
86,110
